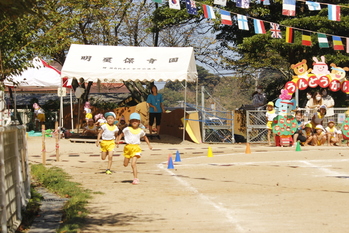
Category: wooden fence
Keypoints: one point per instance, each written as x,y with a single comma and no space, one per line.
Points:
14,176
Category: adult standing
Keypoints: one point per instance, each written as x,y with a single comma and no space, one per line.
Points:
315,102
156,108
328,101
258,98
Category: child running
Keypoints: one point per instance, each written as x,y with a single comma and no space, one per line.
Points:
108,132
334,135
270,116
132,150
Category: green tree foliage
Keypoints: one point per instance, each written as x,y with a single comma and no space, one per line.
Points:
173,92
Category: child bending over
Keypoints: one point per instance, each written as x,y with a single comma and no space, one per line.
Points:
90,129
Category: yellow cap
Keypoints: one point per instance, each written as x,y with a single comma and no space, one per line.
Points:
270,103
308,125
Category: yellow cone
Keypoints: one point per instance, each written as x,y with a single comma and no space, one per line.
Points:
209,152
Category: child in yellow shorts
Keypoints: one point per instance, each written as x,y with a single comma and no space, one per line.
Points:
108,132
270,116
132,150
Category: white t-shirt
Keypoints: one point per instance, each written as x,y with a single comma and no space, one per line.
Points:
333,130
109,131
133,136
39,111
87,110
271,115
328,101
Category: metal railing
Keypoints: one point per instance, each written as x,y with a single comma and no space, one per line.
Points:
14,176
217,127
256,123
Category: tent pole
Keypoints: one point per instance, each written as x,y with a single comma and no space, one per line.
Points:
15,106
61,113
71,109
185,108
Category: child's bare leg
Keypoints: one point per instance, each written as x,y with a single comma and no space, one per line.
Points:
323,140
334,141
110,159
329,139
315,141
269,134
340,138
134,166
126,161
295,136
103,155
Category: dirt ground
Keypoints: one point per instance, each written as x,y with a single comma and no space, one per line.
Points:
270,190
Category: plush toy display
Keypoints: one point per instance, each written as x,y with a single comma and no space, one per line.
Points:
338,73
284,124
319,75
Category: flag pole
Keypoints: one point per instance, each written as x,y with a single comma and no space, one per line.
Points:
185,108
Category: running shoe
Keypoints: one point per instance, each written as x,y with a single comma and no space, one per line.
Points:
135,181
108,172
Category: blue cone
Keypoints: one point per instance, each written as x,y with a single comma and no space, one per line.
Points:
178,157
170,163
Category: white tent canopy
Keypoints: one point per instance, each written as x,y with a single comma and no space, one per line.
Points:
118,63
41,75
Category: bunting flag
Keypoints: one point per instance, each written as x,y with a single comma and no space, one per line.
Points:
306,38
266,2
220,2
347,45
242,22
208,12
226,17
191,7
174,4
275,30
334,12
258,26
289,7
157,1
337,43
313,6
323,42
289,35
243,3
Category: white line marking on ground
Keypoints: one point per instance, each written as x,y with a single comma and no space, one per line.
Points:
323,169
205,198
261,162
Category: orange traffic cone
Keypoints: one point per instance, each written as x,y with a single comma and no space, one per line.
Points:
248,149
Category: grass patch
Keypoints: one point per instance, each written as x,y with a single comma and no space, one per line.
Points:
58,181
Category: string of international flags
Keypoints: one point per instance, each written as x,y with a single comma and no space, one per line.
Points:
259,27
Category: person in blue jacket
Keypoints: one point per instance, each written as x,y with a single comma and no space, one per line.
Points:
156,108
